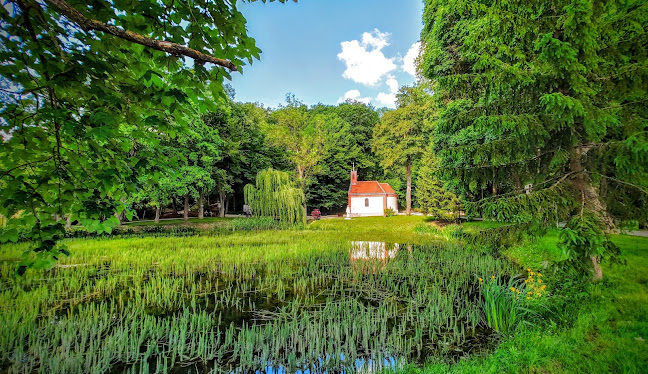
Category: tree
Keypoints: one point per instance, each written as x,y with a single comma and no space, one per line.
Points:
347,130
297,131
294,129
255,152
401,136
155,192
547,95
92,88
276,195
432,197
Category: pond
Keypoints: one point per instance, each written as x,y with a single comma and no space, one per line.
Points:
360,305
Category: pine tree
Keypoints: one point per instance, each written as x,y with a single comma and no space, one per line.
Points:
547,95
433,198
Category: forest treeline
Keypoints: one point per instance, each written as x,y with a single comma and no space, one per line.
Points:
221,151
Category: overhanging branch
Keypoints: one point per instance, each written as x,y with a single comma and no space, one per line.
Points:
88,24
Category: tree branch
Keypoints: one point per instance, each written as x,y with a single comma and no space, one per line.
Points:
88,24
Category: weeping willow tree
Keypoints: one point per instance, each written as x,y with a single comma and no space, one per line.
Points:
276,195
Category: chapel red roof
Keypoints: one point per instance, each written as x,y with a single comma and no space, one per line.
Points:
387,188
370,187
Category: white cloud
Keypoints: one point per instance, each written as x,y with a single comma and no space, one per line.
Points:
377,40
409,62
387,99
393,84
364,60
354,95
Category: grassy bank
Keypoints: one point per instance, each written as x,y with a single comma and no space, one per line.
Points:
597,328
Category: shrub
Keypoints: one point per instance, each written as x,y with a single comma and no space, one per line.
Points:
454,231
183,231
153,230
256,223
389,212
423,228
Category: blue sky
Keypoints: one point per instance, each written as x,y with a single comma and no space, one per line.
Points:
326,50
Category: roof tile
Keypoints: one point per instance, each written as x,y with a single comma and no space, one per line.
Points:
371,187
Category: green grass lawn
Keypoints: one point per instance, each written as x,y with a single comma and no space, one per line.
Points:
396,229
601,329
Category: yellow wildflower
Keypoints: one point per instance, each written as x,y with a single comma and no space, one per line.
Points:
492,277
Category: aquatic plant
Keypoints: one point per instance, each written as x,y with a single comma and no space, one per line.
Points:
240,302
507,304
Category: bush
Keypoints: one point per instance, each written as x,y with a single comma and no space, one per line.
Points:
153,230
389,212
256,223
452,231
423,228
183,231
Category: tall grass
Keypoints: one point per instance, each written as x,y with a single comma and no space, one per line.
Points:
502,307
240,302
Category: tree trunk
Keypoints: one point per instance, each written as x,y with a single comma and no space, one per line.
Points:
517,182
590,199
201,206
227,204
157,214
175,206
221,203
597,271
302,185
68,222
408,195
185,213
589,194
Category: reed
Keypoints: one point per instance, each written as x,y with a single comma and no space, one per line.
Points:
241,302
